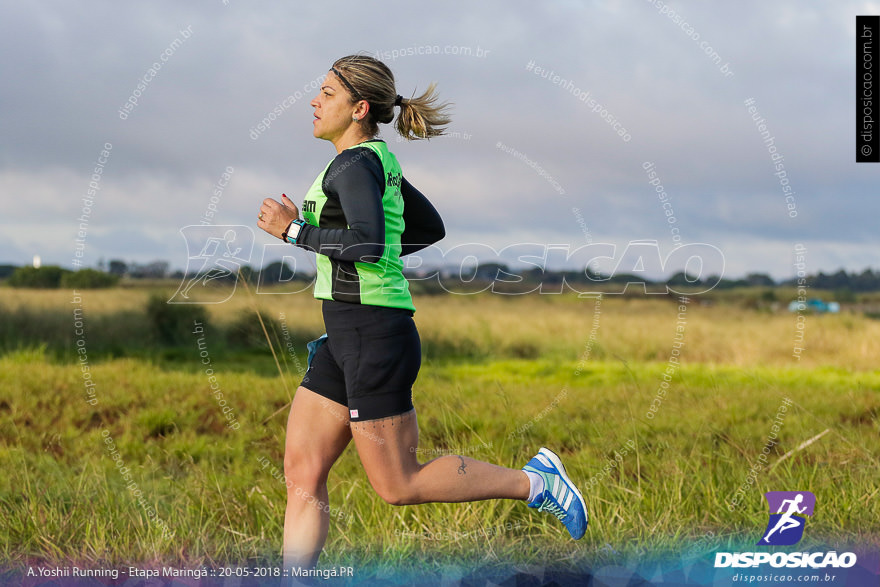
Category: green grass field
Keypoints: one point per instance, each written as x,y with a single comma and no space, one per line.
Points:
501,376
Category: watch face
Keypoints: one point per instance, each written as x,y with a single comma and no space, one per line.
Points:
292,231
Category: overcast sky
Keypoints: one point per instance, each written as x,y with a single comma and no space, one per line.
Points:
528,160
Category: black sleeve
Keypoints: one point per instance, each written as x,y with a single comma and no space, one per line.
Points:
422,223
356,178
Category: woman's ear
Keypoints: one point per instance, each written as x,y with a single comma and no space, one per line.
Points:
363,108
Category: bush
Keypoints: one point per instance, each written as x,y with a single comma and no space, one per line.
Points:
48,277
174,323
844,295
247,332
88,279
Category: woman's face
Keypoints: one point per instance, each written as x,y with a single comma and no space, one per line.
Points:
333,109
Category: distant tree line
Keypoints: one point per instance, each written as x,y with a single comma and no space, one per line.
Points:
53,277
867,280
109,273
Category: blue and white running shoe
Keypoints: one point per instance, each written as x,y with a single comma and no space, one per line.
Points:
560,497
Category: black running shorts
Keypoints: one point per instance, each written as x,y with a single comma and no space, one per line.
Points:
369,361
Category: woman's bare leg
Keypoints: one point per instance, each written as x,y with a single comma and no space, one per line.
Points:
388,449
317,433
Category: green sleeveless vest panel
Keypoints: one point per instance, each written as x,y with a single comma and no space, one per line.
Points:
376,284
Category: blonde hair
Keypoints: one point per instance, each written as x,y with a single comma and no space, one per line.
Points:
420,118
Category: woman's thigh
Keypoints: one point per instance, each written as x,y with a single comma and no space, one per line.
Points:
317,433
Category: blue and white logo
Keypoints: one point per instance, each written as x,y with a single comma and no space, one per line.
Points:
788,511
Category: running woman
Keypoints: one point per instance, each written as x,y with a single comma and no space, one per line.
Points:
359,217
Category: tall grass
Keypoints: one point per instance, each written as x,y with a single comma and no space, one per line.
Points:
502,376
482,326
213,488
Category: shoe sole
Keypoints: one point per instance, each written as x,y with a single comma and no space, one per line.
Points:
553,458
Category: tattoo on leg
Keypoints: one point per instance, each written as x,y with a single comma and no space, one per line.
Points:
462,466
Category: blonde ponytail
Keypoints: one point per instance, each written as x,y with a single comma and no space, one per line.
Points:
369,79
422,117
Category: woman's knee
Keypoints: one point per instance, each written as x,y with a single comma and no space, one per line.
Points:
398,497
396,492
304,470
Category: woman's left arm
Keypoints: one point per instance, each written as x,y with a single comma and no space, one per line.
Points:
357,179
